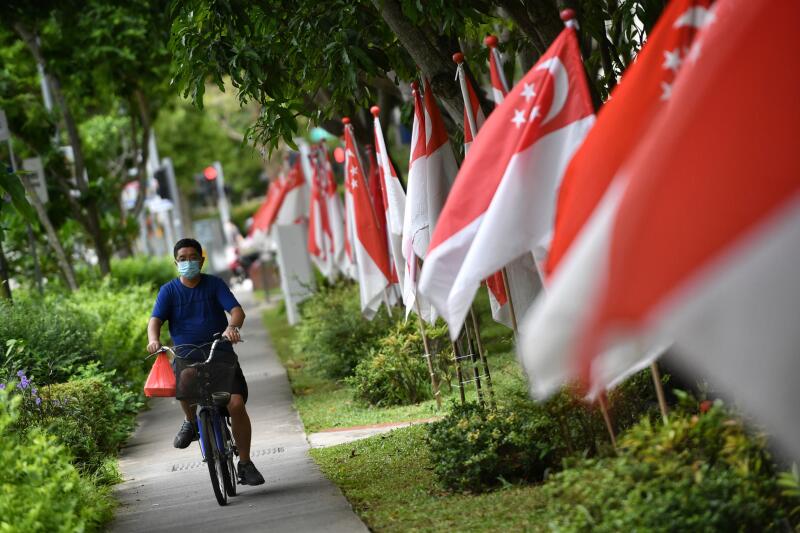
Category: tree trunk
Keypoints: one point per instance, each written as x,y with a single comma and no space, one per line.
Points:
92,219
5,283
537,19
435,64
144,119
52,236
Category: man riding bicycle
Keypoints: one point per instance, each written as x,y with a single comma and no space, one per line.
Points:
194,304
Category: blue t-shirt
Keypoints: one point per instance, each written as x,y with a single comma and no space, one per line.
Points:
194,314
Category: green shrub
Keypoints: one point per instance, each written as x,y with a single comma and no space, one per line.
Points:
55,336
118,318
88,415
142,271
40,491
474,448
698,473
333,335
49,338
395,371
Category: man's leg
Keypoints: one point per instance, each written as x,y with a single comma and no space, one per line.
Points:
190,410
246,470
242,430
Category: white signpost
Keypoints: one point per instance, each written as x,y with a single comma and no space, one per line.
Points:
37,179
297,278
5,133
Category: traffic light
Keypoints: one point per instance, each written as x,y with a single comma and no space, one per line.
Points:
210,173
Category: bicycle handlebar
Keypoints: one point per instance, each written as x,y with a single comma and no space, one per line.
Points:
217,338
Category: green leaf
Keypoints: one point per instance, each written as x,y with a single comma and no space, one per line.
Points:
11,184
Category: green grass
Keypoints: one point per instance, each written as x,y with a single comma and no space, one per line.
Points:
325,404
389,482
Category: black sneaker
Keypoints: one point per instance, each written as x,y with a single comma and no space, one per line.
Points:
248,474
186,435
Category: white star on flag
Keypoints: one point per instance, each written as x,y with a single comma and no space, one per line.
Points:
353,171
519,118
528,92
666,90
536,112
672,59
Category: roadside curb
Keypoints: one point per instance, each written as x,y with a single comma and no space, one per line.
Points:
335,436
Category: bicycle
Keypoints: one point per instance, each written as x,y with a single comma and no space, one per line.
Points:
195,380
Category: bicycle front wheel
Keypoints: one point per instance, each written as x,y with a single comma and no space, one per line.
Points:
213,457
231,477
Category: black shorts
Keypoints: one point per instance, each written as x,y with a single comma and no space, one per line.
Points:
224,354
239,383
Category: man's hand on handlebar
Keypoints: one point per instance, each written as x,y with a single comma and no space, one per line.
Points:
153,347
232,334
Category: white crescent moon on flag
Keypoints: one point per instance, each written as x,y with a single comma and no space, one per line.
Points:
560,89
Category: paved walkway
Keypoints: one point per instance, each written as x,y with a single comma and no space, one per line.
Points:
169,490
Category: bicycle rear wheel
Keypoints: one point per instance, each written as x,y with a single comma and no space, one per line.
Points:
213,457
231,477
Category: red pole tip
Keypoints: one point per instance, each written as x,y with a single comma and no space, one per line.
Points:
490,41
375,110
345,120
458,58
414,86
567,15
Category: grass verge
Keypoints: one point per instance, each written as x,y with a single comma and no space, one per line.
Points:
324,403
389,482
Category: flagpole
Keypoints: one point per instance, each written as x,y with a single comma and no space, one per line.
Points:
426,344
459,374
482,355
601,400
474,358
458,59
662,402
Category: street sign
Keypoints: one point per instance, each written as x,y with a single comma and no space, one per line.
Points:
37,179
5,133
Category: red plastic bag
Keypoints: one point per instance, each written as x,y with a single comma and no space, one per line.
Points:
161,381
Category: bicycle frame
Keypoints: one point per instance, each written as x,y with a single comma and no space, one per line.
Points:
217,424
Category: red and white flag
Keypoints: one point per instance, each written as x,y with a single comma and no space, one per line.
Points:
369,243
294,204
440,162
503,200
268,210
551,332
496,74
715,223
522,273
335,210
349,231
320,236
495,285
473,116
416,221
394,198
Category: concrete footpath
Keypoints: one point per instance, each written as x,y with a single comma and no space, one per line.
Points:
165,489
